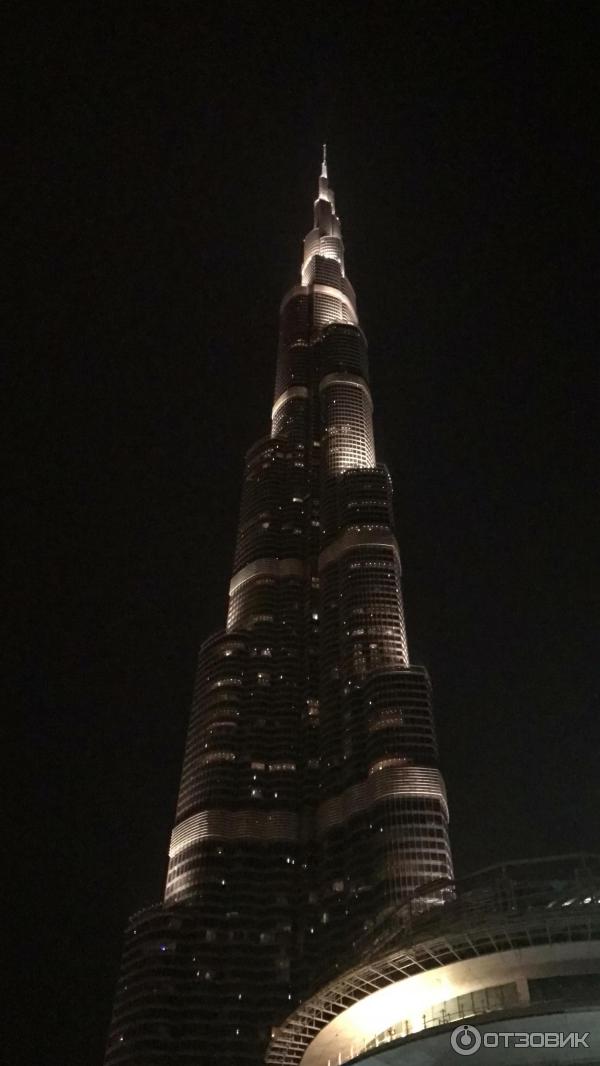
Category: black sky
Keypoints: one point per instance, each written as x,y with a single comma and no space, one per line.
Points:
166,164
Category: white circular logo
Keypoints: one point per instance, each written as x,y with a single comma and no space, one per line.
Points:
465,1040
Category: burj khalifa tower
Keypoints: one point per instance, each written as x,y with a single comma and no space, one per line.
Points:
311,803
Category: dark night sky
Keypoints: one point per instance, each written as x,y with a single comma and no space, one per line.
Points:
166,164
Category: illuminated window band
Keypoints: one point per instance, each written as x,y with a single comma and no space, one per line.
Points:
233,825
269,567
322,290
405,783
353,538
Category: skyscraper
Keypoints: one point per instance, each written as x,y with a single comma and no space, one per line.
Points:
311,802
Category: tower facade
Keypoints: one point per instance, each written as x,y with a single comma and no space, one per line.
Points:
311,803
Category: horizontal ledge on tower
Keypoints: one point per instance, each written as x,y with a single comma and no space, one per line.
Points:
395,783
270,567
355,538
316,289
342,378
295,392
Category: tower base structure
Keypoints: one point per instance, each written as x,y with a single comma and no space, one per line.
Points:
184,995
